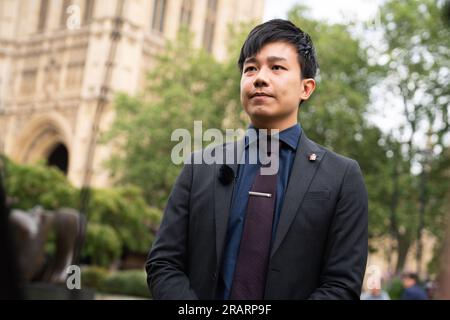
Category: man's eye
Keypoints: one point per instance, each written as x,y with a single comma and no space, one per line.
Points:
248,69
276,67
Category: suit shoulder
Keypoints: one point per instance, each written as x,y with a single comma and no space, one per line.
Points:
336,157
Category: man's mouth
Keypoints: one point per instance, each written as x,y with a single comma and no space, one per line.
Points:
260,94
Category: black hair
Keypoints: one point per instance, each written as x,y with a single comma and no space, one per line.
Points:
284,31
411,275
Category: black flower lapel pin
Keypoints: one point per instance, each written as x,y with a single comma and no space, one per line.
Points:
226,174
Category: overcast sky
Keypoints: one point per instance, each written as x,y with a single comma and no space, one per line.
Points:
332,10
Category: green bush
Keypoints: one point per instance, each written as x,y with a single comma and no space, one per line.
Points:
395,289
102,244
32,185
130,283
125,210
91,277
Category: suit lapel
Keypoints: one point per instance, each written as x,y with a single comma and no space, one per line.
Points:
303,172
223,195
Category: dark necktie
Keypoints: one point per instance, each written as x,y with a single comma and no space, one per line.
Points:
251,266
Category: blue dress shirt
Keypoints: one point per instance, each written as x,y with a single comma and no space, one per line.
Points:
245,177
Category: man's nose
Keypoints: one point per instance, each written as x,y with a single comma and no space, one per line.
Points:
261,79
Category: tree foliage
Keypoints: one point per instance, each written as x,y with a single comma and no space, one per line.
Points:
31,185
414,56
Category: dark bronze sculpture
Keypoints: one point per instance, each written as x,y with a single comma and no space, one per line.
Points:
31,232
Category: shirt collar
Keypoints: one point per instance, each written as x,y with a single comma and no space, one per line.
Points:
289,136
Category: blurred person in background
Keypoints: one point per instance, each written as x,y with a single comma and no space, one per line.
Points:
375,291
412,289
375,294
430,288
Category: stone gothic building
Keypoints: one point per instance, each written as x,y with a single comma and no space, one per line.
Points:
62,60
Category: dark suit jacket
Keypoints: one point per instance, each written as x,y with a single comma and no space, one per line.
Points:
320,248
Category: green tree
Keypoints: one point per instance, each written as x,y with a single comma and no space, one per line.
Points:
31,185
102,244
335,114
415,56
125,211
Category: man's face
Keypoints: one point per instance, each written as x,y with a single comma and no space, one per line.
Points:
272,86
408,282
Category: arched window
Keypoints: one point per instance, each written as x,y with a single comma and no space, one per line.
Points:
159,12
59,158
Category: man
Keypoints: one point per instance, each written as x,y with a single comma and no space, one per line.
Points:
412,290
375,291
231,232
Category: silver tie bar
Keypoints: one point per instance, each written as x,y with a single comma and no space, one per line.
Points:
260,194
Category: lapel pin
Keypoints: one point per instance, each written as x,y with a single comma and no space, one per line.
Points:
226,174
313,157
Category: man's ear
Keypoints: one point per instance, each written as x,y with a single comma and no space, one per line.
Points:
309,85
